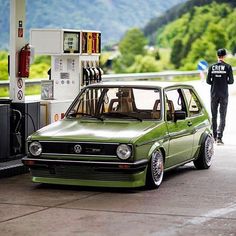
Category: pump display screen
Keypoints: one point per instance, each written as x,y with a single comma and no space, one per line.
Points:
71,42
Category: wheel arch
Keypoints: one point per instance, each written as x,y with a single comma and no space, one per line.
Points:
206,133
202,139
157,146
205,154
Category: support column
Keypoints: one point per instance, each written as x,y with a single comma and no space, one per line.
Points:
17,41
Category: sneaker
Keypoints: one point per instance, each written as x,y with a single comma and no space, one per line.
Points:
219,141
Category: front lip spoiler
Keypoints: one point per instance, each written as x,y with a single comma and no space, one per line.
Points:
105,166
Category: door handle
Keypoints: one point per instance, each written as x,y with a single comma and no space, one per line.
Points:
189,123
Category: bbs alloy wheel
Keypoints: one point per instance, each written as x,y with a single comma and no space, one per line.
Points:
155,170
209,150
204,159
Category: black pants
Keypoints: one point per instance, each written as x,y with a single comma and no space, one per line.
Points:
215,103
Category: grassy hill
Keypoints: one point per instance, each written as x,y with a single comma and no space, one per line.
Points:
176,12
195,30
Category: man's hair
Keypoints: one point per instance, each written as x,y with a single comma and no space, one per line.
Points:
221,52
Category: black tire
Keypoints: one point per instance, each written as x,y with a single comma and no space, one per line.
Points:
204,159
155,170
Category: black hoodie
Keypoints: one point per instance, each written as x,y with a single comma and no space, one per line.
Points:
219,76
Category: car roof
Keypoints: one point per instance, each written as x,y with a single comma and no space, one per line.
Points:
143,83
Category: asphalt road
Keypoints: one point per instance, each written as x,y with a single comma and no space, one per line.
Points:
189,202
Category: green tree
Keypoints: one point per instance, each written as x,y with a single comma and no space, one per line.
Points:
232,45
39,70
132,45
231,32
3,69
3,55
3,65
173,31
40,67
144,64
201,49
216,34
42,59
198,33
154,52
176,53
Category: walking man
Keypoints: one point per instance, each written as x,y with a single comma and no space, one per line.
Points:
219,76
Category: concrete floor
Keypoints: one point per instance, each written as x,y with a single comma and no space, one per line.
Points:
189,202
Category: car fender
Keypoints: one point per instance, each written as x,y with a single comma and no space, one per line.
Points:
157,145
206,133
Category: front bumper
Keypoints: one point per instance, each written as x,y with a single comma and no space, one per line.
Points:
87,173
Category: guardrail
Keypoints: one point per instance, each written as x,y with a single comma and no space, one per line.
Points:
168,75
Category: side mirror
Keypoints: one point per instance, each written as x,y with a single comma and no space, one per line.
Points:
179,115
72,113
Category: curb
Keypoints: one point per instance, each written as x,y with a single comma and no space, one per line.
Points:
12,168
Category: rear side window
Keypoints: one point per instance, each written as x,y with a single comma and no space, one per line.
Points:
193,103
174,102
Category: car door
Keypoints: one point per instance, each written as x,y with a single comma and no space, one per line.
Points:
180,132
197,116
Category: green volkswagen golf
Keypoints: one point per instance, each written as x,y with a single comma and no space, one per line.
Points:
123,134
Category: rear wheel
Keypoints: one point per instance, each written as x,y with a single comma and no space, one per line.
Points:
204,159
155,170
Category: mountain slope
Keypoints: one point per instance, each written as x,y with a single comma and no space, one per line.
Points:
176,12
112,17
198,33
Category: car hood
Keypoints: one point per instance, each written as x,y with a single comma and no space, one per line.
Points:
94,131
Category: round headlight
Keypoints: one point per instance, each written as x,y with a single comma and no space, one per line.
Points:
123,151
35,148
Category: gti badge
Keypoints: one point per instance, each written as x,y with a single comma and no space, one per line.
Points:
77,148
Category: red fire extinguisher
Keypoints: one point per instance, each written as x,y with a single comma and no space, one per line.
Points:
24,62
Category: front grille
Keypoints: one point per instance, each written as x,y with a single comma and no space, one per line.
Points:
83,173
79,148
86,148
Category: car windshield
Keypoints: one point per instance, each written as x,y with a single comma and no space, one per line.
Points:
117,102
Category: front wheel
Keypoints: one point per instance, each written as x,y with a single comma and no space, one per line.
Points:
155,170
204,159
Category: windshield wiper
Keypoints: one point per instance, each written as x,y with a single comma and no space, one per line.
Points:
85,114
122,115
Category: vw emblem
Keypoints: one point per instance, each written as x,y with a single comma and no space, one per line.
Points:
77,148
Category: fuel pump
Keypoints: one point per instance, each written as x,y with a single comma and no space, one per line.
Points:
74,64
16,136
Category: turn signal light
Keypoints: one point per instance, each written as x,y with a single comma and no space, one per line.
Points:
124,166
29,162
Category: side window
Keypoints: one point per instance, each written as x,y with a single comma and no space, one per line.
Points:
193,104
174,102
